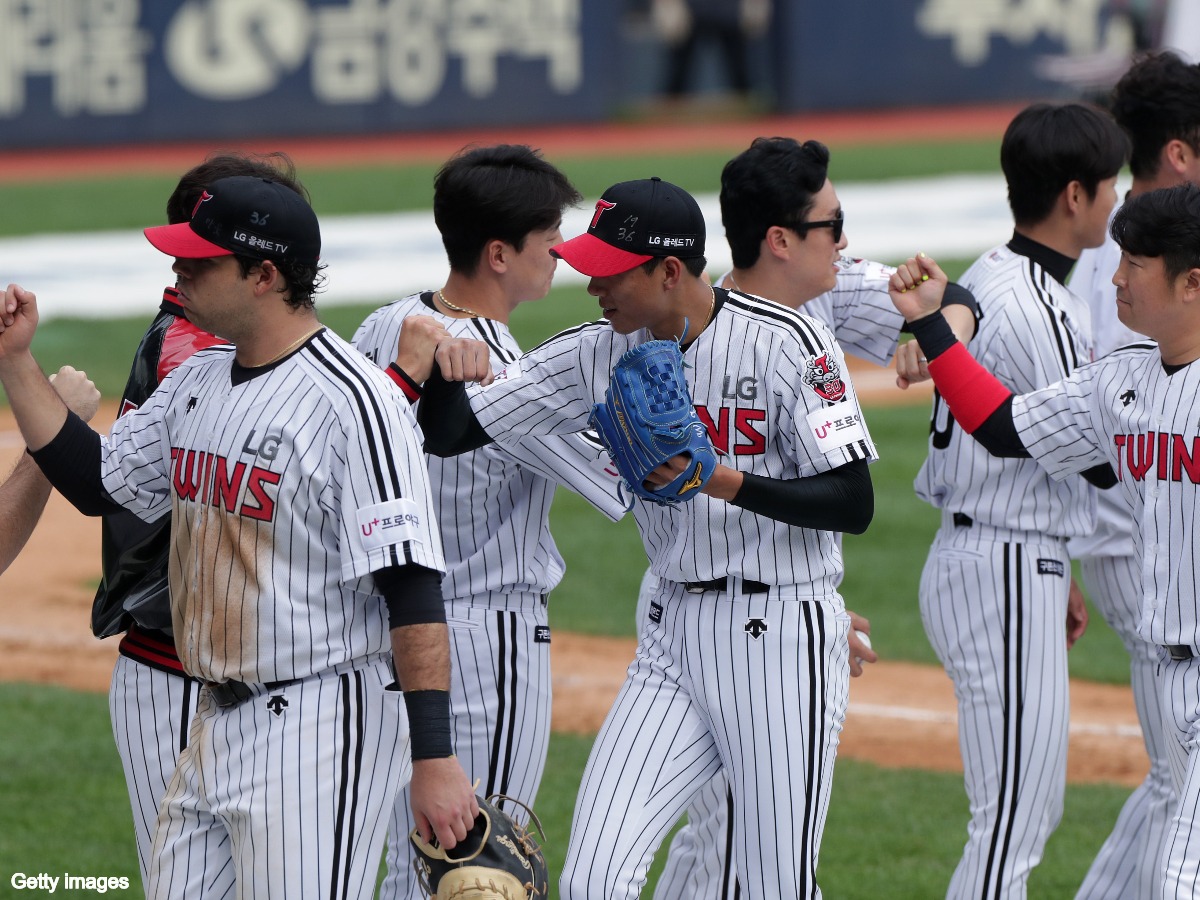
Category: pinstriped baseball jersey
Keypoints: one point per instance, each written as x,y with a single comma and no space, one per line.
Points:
771,386
1091,280
1128,863
866,323
1032,332
1125,409
499,542
859,310
494,506
287,486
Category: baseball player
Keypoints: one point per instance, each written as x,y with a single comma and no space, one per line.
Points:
748,615
498,210
24,493
303,549
779,180
1156,103
151,700
1135,410
995,591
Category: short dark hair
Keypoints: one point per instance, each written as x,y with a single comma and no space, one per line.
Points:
303,279
1155,102
1047,146
771,183
694,265
501,192
1165,223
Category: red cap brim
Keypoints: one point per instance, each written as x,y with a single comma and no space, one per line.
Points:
591,256
183,243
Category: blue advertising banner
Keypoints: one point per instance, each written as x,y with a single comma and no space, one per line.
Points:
106,71
871,54
79,72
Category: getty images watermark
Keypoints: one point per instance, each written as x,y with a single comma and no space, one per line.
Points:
46,883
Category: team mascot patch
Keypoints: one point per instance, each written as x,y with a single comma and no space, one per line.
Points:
824,375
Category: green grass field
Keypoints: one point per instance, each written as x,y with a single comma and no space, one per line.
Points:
891,833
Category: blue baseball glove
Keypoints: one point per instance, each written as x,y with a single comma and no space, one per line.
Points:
647,418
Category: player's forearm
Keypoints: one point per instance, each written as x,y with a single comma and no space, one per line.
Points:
980,404
422,657
842,499
35,404
22,498
71,461
961,320
446,418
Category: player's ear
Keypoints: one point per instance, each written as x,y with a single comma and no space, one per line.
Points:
1178,155
777,241
1191,285
266,278
672,271
1074,195
496,255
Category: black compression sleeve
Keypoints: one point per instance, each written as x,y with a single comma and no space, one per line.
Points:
1101,476
839,500
446,418
934,335
71,462
955,295
998,434
413,594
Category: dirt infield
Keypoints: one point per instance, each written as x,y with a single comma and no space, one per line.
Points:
901,715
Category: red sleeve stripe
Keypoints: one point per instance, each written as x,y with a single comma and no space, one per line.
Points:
970,390
411,390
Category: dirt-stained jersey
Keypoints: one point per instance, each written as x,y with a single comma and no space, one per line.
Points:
287,485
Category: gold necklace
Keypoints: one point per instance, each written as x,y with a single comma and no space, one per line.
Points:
712,306
461,309
289,348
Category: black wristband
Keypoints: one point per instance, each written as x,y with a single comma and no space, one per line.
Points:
429,724
934,335
411,389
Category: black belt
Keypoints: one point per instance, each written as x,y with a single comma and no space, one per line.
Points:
720,584
1179,651
231,693
962,520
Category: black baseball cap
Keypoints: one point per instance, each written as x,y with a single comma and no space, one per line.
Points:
248,216
634,222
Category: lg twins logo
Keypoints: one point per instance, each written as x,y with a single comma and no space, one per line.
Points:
204,198
824,376
602,206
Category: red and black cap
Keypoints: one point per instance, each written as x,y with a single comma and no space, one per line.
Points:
247,216
634,222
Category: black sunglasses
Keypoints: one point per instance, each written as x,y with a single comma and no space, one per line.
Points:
837,225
